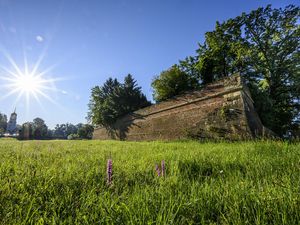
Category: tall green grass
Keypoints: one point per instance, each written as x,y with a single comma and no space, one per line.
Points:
64,182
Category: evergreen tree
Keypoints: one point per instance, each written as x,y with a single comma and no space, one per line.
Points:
113,100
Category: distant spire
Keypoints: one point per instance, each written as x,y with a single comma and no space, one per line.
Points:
15,109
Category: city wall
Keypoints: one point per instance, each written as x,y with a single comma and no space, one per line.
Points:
222,110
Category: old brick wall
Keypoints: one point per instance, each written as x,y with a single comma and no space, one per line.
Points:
220,110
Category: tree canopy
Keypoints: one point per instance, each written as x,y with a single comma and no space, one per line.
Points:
172,82
115,99
40,129
263,46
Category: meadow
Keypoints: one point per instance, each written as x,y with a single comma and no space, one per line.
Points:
65,182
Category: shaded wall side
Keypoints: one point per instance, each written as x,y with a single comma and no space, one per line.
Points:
254,123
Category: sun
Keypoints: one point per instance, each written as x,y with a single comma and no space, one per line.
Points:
28,83
23,82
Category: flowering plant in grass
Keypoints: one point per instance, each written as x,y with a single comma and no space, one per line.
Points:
161,171
157,170
109,172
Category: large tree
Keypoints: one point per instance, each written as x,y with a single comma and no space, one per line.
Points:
274,39
113,100
101,105
263,46
223,53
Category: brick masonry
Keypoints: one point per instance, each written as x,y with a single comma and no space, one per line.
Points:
222,110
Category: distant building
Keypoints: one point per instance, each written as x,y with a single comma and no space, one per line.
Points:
12,124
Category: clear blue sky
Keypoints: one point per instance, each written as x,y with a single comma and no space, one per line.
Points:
88,41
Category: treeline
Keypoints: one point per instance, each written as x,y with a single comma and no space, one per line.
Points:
70,131
263,46
38,130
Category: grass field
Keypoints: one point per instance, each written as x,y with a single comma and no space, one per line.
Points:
64,182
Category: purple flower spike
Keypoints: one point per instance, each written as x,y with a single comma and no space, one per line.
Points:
163,168
157,170
109,171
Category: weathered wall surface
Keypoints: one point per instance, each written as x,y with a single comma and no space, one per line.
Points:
221,110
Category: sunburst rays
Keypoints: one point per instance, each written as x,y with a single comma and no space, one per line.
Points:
31,84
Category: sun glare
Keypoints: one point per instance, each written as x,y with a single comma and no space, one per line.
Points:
28,83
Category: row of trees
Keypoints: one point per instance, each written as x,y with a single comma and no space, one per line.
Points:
263,46
71,131
37,129
34,130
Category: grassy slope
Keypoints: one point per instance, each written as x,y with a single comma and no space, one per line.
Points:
65,182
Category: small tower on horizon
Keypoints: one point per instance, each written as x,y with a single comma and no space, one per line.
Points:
12,123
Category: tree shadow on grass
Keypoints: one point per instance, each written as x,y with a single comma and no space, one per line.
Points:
197,170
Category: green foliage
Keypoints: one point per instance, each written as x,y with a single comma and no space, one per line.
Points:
189,66
71,131
40,129
73,137
26,131
113,100
264,47
263,103
273,36
223,53
3,123
62,131
172,82
85,132
33,130
64,182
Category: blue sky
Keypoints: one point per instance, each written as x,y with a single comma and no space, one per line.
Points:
85,42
